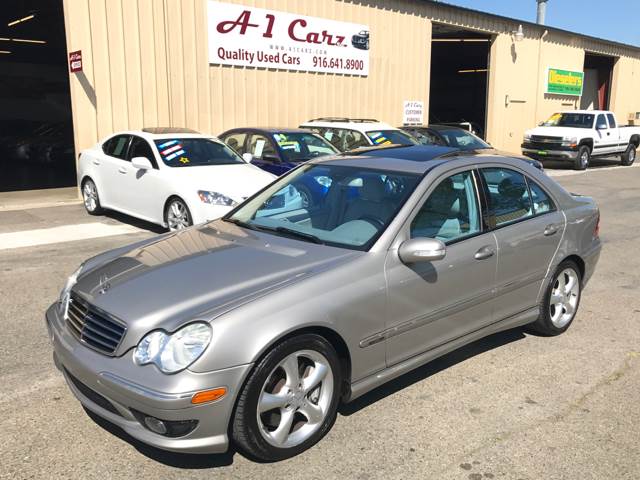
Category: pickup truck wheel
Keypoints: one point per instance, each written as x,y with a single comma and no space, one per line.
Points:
583,158
629,156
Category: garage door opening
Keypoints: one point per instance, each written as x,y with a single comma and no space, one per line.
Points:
459,77
36,132
598,74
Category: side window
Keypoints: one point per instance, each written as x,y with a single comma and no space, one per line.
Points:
508,196
601,122
353,139
261,146
541,201
117,146
612,120
426,137
451,212
236,141
141,148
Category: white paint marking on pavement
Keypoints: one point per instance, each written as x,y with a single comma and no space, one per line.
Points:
65,233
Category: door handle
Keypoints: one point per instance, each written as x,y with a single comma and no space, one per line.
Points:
483,253
608,133
550,230
122,170
96,161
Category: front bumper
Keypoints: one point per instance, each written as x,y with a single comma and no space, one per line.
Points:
539,154
105,386
205,212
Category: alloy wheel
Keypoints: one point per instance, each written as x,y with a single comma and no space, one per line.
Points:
295,399
177,216
584,159
90,196
564,297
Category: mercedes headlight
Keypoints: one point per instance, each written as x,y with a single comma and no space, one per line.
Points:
65,293
215,198
176,351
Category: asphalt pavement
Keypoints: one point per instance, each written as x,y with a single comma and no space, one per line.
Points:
512,406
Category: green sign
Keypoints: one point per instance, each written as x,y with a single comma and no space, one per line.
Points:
564,82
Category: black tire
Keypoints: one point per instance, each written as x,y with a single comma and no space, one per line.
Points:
544,325
245,430
629,156
91,200
169,212
582,160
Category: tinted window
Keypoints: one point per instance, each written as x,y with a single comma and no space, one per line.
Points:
259,146
541,201
612,120
141,148
236,141
426,137
342,139
458,138
451,212
299,147
354,208
508,196
390,137
117,146
601,122
195,152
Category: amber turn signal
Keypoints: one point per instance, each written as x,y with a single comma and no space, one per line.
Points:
208,395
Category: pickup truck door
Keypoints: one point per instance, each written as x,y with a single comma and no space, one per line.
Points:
604,141
616,134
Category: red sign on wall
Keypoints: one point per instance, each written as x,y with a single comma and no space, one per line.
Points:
75,61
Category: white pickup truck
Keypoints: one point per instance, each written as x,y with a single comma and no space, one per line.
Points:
580,135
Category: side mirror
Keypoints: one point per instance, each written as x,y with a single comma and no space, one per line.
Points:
247,157
141,163
419,250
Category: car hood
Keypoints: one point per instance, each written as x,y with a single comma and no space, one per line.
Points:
556,131
235,181
199,273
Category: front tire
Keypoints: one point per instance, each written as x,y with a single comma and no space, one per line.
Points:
561,300
290,400
177,215
583,158
90,198
629,156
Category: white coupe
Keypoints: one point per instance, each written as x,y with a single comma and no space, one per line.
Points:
171,177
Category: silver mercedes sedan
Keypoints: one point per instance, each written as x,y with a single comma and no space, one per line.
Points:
255,327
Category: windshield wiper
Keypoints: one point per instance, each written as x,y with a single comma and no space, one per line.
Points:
296,233
240,223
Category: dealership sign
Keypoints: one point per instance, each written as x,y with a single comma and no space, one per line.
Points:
253,37
413,112
564,82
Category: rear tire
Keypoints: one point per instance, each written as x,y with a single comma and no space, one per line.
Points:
561,300
90,198
629,156
582,160
290,400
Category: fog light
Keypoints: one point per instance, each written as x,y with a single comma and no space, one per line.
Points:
155,425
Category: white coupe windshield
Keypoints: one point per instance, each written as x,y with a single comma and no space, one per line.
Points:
329,204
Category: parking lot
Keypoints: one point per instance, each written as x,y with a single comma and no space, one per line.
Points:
512,406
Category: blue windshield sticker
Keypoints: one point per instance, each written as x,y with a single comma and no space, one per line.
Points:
166,144
175,154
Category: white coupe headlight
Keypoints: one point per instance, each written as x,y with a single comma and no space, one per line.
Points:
173,352
215,198
65,293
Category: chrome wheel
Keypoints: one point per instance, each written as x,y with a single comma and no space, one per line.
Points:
295,399
177,216
584,159
565,295
90,196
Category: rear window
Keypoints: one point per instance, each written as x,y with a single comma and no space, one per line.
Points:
299,147
117,146
390,137
195,152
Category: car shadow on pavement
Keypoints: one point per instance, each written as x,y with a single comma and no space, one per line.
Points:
595,163
171,459
435,366
134,222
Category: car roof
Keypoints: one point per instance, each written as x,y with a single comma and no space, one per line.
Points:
434,126
174,133
360,125
268,130
405,152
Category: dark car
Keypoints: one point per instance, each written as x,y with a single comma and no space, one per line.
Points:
422,153
361,40
460,140
278,150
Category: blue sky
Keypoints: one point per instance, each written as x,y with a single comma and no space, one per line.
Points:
617,20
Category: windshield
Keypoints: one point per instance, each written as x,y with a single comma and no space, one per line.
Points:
341,206
458,138
576,120
388,137
299,147
195,152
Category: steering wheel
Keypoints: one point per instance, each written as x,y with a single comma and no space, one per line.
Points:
376,222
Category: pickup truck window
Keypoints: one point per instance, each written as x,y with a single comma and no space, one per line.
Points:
576,120
612,120
601,123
